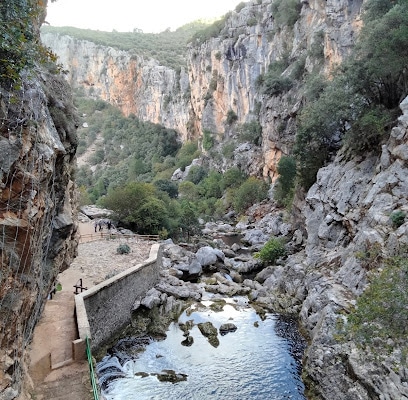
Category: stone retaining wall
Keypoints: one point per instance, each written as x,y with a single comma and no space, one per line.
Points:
105,309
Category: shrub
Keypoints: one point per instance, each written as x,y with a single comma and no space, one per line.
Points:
286,12
271,251
251,132
196,174
240,6
368,131
123,249
250,192
231,117
286,181
208,141
382,310
397,218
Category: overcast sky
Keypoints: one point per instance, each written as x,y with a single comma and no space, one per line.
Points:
125,15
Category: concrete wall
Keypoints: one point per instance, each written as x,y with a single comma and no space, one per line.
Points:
105,309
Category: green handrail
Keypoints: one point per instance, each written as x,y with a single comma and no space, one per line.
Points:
91,370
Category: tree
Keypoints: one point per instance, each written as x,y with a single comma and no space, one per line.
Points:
167,186
188,219
286,180
152,216
250,192
127,202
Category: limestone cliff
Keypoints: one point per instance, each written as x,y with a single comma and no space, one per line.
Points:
136,86
221,76
37,202
347,221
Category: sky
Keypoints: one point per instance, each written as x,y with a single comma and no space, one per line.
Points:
125,15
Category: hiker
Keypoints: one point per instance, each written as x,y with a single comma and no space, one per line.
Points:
100,225
109,223
95,225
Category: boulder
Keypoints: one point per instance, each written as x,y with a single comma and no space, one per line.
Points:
226,328
209,256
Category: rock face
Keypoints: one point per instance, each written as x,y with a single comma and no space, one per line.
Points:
134,85
222,76
37,161
347,211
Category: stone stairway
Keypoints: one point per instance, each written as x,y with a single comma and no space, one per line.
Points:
54,374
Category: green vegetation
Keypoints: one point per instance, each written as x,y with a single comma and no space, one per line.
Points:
123,249
168,47
358,107
231,117
286,12
210,31
285,185
251,191
397,218
271,251
208,140
273,83
133,163
128,148
19,45
381,312
251,132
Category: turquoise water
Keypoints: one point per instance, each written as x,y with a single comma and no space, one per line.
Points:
251,363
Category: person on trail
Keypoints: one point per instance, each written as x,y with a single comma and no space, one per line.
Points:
95,225
100,225
109,223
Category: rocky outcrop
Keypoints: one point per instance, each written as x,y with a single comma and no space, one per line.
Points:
347,212
37,203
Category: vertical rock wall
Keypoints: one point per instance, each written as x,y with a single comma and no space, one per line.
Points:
37,205
221,75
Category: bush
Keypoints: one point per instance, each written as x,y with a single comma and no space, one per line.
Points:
271,251
368,131
208,140
250,192
397,218
286,12
123,249
251,132
382,310
231,117
240,6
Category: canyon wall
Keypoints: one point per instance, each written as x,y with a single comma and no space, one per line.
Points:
220,76
37,204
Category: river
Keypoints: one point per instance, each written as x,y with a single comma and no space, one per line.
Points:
259,361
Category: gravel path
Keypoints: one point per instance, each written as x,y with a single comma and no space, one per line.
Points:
99,260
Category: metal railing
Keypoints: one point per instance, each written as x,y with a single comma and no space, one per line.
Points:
95,388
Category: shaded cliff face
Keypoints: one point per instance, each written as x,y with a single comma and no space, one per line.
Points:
349,231
37,203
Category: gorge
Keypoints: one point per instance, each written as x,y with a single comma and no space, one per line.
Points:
347,248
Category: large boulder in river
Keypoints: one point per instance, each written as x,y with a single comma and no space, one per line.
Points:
191,271
208,256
